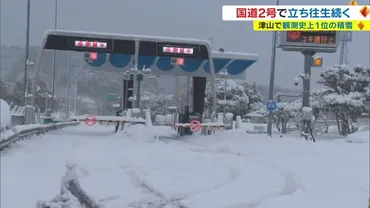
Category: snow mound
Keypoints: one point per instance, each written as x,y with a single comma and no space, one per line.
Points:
66,200
5,115
139,132
359,137
136,110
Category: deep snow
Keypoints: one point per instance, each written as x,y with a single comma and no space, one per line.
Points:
225,170
5,114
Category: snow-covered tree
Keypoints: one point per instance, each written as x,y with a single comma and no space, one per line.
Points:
346,94
255,97
15,94
155,103
236,99
5,89
285,113
320,109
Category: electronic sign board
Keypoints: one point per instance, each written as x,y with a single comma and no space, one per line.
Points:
327,37
181,50
319,41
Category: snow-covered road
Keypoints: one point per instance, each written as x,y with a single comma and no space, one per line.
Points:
226,170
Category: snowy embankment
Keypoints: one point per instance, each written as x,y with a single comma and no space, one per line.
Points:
6,127
18,129
5,116
228,169
359,137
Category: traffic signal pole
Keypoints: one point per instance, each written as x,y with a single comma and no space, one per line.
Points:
272,78
306,89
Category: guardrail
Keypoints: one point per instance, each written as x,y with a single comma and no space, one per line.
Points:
31,130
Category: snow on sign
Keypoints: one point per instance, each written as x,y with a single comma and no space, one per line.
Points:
178,50
90,44
271,105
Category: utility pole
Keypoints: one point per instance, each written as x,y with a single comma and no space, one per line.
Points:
136,65
54,57
224,75
68,83
26,61
76,94
343,53
177,97
306,90
272,77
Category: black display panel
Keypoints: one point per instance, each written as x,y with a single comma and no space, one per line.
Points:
75,43
317,37
172,49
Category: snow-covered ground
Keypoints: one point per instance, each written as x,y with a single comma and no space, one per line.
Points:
226,170
5,115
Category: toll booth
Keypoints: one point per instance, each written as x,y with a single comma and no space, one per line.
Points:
128,91
122,53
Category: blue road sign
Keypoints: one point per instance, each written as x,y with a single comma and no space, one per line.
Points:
271,105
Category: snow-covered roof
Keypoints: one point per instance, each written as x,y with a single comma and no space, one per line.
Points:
236,63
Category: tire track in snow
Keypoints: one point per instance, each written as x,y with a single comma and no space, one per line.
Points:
291,180
292,183
159,201
70,191
289,188
233,175
201,149
132,173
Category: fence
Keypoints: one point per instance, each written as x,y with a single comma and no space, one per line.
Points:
17,115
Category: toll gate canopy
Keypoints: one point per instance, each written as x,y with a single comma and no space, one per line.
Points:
171,56
163,55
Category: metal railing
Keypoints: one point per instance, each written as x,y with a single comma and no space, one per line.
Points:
29,132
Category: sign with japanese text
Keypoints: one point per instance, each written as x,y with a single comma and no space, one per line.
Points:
318,41
327,37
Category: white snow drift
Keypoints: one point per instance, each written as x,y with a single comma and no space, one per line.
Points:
230,169
5,115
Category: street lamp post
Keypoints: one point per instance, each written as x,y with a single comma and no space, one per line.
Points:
47,96
76,91
223,75
26,59
68,83
272,77
26,94
54,55
29,64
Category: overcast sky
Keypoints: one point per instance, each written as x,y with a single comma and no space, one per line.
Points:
174,18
